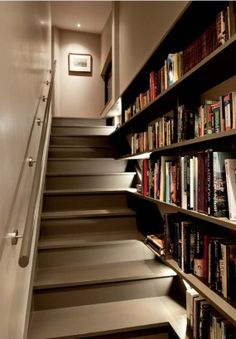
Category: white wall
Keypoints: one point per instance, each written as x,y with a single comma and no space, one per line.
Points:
106,42
79,96
142,24
56,56
25,40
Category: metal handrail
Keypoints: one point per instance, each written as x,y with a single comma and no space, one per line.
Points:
28,230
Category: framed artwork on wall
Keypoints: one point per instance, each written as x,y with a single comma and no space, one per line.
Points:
80,64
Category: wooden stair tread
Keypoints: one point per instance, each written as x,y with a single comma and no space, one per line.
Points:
85,239
87,213
112,317
98,274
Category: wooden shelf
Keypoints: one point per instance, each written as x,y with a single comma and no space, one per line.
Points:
218,301
221,304
197,80
224,222
213,70
196,144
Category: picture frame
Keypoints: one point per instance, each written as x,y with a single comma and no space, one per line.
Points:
80,64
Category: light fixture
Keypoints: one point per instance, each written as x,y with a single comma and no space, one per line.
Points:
78,25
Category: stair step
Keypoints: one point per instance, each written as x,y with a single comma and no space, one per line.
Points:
84,140
86,239
81,130
56,200
116,226
108,319
72,121
87,213
80,152
88,165
79,295
120,251
86,180
101,274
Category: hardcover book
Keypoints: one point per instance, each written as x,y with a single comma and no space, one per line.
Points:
230,169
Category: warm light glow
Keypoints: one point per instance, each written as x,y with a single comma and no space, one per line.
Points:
188,287
78,25
145,155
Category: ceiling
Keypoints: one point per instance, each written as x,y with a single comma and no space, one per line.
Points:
92,15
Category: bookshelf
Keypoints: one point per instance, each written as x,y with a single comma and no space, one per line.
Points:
216,68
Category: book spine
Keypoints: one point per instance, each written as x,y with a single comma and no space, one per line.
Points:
209,182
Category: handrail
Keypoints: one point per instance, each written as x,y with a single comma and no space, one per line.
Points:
28,230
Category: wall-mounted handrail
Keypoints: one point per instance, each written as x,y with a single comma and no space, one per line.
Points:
28,229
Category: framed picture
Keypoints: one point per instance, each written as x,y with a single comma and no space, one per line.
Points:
80,64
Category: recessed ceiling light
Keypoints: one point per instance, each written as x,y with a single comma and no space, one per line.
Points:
78,25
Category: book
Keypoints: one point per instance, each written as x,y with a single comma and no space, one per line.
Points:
157,242
231,270
230,170
216,183
163,186
190,295
185,245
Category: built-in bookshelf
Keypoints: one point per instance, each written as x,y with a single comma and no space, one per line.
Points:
168,122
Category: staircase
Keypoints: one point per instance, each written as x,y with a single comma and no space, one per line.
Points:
94,275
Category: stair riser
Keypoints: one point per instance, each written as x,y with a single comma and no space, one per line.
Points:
94,255
68,130
86,166
81,152
78,122
81,140
109,292
89,225
90,182
83,202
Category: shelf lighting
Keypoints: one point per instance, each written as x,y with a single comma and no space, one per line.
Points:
145,155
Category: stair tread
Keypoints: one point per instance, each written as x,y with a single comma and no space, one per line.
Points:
85,126
88,191
85,239
97,274
85,159
106,318
80,146
91,174
87,213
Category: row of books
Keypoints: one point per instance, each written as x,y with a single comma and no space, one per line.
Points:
178,63
180,124
215,116
204,182
217,33
158,134
203,252
204,320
